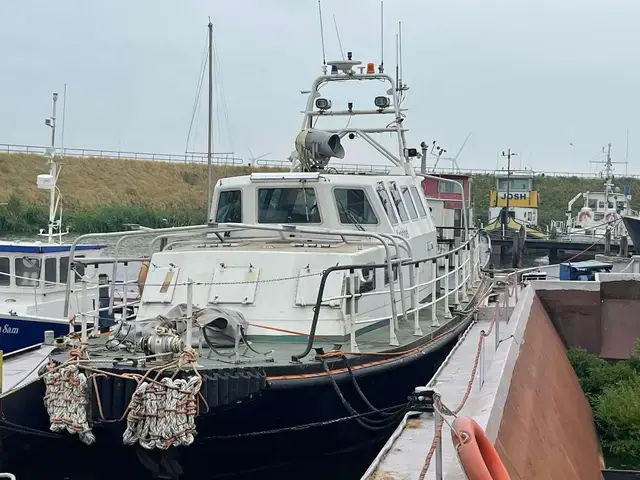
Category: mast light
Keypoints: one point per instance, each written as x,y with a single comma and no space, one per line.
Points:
371,68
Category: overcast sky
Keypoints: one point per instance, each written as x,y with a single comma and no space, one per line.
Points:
533,76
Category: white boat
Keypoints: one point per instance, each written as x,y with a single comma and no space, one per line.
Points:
34,276
307,294
601,213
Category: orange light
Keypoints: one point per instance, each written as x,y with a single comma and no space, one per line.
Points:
371,68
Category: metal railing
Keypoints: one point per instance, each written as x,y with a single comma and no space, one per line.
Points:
466,273
463,263
229,158
218,158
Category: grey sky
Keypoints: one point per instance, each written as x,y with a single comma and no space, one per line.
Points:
530,75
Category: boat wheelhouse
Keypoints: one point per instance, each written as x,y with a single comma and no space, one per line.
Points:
302,285
449,188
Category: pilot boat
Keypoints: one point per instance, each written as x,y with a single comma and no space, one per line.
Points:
295,322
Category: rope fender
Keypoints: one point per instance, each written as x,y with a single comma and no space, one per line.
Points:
163,413
478,456
67,402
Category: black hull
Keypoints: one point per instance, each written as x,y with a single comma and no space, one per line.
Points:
222,445
632,224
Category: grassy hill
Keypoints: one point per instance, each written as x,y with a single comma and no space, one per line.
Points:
101,194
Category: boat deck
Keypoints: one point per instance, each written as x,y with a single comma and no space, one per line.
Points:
403,457
279,352
22,369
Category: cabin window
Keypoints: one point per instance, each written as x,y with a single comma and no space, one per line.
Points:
515,184
410,206
418,200
50,274
5,272
386,203
354,207
445,186
593,204
27,271
601,205
229,207
64,269
288,205
397,200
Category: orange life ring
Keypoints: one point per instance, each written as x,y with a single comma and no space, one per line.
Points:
581,215
478,456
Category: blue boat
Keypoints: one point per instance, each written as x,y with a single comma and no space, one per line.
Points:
33,279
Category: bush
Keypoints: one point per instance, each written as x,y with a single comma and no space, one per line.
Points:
613,390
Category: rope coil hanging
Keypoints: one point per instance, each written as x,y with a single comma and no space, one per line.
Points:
67,402
163,414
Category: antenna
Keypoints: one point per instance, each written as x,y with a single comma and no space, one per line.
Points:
400,48
381,66
338,35
64,110
324,58
626,156
397,66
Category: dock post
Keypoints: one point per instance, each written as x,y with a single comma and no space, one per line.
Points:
623,250
438,419
189,313
607,241
447,312
434,293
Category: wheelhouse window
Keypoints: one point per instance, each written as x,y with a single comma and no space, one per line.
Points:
409,203
515,184
418,201
64,269
50,273
27,271
5,272
386,203
397,201
445,186
288,205
354,207
229,207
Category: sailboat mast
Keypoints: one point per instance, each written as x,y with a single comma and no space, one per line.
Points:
52,170
210,126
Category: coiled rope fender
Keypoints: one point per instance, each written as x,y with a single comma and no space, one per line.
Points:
478,456
163,413
67,401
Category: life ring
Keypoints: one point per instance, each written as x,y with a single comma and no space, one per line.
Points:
610,217
142,275
581,215
478,456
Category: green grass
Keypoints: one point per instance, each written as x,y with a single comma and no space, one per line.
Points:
100,194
